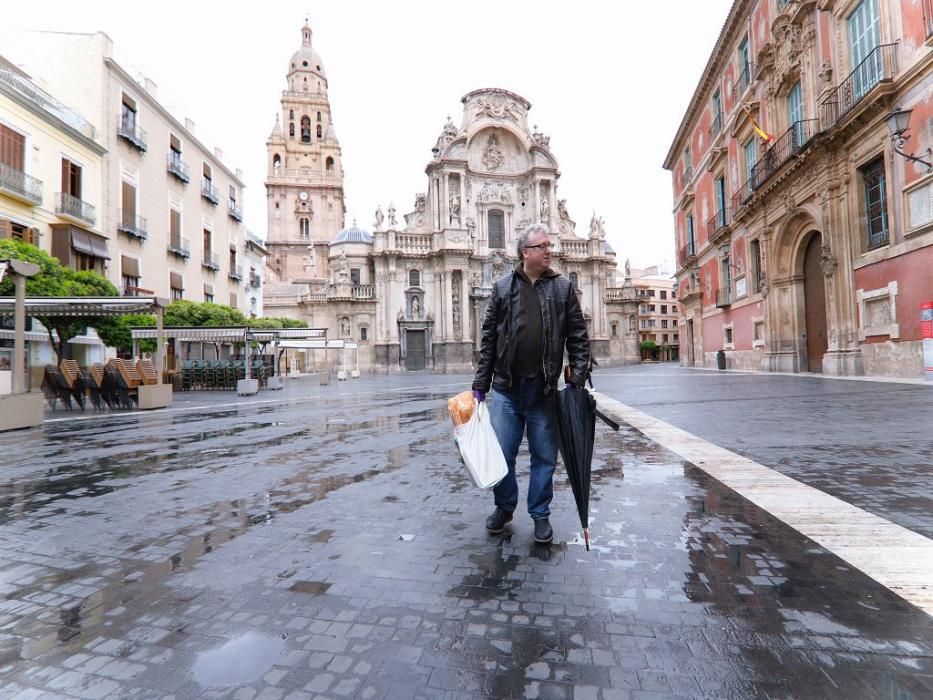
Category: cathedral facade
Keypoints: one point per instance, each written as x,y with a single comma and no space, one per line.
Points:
412,293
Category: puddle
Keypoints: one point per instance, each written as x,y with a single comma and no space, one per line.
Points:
311,587
238,662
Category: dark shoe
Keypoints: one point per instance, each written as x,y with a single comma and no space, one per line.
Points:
495,523
543,532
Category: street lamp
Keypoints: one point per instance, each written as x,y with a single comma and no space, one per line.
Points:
898,122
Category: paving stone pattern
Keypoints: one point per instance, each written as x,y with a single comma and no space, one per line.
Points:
330,545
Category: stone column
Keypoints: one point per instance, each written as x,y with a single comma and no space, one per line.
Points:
464,305
445,202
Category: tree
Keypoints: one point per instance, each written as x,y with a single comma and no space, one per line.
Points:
56,280
649,349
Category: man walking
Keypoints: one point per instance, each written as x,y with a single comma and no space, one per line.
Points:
532,315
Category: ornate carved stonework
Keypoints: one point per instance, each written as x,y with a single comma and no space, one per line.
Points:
497,108
419,201
827,260
492,156
540,138
456,281
495,193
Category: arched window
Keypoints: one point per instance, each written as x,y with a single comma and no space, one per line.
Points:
329,164
319,131
414,278
276,163
291,129
496,226
304,228
319,117
305,129
573,280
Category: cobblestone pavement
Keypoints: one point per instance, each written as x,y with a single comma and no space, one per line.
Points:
868,443
325,542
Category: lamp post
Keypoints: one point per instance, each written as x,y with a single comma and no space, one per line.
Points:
898,122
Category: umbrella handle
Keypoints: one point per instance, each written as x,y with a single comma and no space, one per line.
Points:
586,538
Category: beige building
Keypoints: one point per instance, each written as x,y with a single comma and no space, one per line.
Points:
411,294
657,312
169,211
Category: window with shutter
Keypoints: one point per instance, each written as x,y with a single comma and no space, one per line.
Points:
12,148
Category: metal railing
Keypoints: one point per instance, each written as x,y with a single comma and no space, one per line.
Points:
21,184
877,67
741,196
688,175
69,205
211,261
50,104
177,167
716,126
745,79
717,222
131,291
234,211
789,144
129,130
236,272
179,246
686,252
209,192
132,225
724,296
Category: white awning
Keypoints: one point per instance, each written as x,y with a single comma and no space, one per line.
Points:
82,306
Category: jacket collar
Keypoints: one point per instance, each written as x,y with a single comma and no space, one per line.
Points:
547,274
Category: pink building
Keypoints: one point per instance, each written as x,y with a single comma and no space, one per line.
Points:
804,238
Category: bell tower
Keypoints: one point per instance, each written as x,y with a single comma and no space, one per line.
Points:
304,181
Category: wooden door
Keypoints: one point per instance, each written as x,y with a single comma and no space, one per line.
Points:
814,305
414,350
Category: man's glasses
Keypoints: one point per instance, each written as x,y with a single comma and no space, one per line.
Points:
542,246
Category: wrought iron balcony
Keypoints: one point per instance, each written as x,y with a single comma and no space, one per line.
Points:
236,272
132,225
129,131
71,207
235,212
741,196
878,67
715,127
19,185
209,192
742,84
724,296
177,167
179,246
210,261
686,252
717,223
788,145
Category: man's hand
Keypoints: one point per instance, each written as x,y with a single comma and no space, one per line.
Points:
479,395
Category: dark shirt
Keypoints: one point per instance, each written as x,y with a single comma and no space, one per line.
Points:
529,333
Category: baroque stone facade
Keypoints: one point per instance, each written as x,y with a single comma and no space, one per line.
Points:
412,294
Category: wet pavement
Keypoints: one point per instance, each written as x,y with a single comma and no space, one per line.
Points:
325,542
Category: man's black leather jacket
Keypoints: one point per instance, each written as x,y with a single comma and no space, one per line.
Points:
562,321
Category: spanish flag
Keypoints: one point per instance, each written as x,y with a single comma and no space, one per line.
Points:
762,134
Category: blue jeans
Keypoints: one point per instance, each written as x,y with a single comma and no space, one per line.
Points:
511,412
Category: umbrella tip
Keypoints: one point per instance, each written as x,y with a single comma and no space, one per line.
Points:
586,538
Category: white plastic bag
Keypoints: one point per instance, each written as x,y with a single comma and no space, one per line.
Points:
480,448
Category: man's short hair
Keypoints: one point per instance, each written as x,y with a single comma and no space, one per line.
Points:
526,234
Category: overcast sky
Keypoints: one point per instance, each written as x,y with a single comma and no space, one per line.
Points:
608,82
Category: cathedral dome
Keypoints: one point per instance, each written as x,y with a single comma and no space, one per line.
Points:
352,234
306,58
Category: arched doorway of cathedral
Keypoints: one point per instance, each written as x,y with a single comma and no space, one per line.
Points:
814,294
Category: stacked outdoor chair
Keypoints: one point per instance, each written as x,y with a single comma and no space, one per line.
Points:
55,387
93,384
147,373
71,374
127,381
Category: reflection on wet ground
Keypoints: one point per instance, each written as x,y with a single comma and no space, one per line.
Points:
339,550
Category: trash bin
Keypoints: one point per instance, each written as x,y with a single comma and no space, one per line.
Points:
721,359
926,338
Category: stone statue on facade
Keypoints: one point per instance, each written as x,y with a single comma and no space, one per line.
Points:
420,201
562,209
454,208
471,226
415,308
345,327
379,218
392,220
492,156
628,269
545,209
343,268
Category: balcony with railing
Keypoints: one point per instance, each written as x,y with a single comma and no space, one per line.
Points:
718,224
414,242
716,127
575,249
878,67
790,143
255,281
614,293
235,272
363,291
687,252
130,131
741,196
723,296
132,225
17,184
209,192
235,212
77,210
210,261
131,291
743,82
178,246
177,167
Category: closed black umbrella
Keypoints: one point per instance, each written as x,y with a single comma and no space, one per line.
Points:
575,415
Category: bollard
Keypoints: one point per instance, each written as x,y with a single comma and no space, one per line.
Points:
926,336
